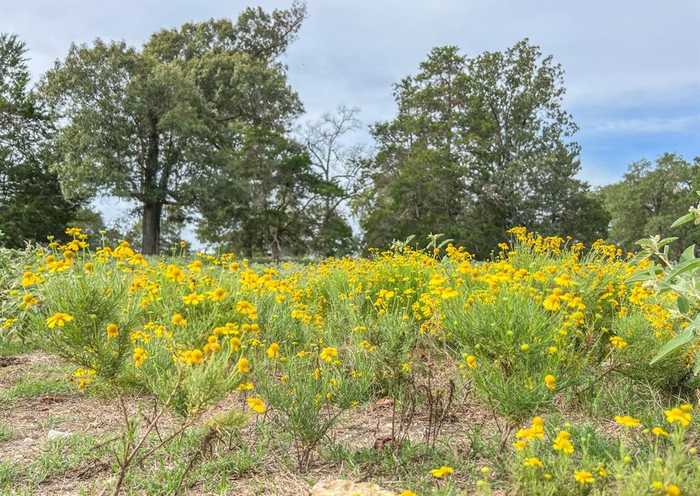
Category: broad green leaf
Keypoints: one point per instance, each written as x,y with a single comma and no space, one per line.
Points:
683,305
683,220
688,254
644,243
647,275
682,268
447,241
666,241
681,339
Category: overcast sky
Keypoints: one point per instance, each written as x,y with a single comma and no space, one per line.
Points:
632,67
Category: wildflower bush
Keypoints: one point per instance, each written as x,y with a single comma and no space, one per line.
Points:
678,279
12,263
570,459
546,326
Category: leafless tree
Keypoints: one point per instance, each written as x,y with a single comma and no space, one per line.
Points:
338,162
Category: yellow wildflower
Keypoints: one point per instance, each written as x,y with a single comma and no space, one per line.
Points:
112,330
256,404
618,342
441,472
273,351
659,432
243,365
553,301
140,356
193,357
212,345
84,377
29,300
584,477
219,294
678,415
58,320
533,462
193,299
471,361
178,320
563,443
328,354
627,421
550,381
30,279
673,490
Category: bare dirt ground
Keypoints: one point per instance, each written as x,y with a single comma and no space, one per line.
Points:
34,415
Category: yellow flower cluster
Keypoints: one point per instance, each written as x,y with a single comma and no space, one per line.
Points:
322,331
680,415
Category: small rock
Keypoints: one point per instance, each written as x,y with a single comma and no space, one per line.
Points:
384,402
341,487
53,434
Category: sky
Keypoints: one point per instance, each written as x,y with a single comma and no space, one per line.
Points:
632,67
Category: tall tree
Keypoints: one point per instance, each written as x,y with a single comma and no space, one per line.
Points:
31,204
153,124
479,144
267,192
418,184
650,197
339,164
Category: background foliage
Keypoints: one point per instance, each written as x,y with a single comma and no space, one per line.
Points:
199,129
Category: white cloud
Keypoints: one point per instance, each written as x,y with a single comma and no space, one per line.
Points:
352,52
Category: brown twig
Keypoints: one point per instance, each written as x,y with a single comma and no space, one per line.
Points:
130,454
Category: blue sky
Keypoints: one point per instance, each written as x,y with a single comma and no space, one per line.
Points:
632,67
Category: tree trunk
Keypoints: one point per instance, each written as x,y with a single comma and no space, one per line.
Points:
150,224
275,247
152,195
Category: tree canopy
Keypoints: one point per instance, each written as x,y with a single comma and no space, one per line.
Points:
199,127
152,125
31,204
478,145
258,204
650,197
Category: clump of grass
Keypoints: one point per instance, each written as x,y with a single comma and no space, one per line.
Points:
9,474
31,387
5,432
57,458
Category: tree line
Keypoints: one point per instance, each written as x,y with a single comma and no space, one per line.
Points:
200,126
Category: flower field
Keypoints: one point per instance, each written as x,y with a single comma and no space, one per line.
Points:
423,371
